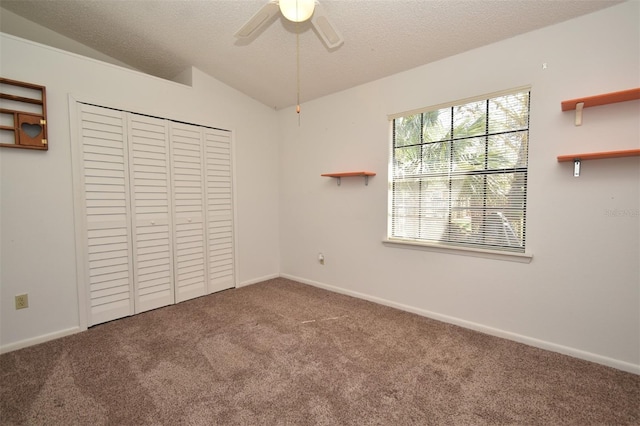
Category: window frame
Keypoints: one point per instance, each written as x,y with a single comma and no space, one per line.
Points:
451,247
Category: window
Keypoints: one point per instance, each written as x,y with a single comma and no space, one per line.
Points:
459,174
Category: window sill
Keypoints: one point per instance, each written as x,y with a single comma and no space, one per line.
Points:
462,251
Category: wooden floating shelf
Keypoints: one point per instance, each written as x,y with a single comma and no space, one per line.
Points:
604,99
577,158
350,174
598,155
579,104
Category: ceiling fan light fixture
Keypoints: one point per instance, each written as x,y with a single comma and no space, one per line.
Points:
297,10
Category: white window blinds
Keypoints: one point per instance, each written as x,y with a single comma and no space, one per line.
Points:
459,174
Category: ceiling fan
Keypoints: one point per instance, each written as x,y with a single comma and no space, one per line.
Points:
296,11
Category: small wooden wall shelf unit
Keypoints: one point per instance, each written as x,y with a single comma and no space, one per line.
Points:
578,105
350,174
23,115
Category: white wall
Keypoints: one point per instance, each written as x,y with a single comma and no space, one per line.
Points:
36,195
580,294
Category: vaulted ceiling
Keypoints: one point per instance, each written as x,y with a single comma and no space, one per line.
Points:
382,37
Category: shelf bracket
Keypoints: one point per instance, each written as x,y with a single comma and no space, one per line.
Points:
579,108
366,180
576,167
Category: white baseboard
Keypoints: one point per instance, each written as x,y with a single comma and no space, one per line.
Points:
258,280
565,350
576,353
39,339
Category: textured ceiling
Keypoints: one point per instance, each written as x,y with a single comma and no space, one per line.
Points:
382,37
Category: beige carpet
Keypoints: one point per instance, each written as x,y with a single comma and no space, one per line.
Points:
283,353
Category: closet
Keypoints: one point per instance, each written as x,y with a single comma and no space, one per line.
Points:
156,211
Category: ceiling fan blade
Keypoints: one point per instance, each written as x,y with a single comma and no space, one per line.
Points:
258,20
325,28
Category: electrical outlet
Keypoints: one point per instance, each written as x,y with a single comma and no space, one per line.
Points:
22,301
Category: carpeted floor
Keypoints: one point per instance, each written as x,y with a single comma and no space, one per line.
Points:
284,353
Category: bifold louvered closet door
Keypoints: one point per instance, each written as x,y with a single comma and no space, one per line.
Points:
219,209
150,212
108,261
188,192
157,211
